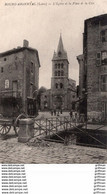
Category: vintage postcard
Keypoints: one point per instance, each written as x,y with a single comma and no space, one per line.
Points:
53,81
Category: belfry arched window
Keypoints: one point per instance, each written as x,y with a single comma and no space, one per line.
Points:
62,73
58,73
56,85
55,73
58,65
62,65
61,85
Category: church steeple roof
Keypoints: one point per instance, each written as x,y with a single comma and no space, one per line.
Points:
61,53
60,45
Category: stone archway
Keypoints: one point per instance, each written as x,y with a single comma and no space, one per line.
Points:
58,102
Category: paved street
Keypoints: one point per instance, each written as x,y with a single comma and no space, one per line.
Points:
11,151
48,114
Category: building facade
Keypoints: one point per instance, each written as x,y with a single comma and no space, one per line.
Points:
63,89
93,67
19,76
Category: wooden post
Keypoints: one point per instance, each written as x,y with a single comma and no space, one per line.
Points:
56,125
49,128
64,123
70,122
46,126
40,127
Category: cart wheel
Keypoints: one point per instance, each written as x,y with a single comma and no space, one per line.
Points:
4,129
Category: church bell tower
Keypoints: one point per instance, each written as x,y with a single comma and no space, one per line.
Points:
59,80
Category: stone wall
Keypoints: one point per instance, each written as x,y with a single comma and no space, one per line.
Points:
16,67
94,46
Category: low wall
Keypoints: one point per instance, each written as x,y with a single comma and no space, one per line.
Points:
94,116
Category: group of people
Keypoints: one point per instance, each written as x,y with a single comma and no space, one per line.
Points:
56,112
76,116
73,114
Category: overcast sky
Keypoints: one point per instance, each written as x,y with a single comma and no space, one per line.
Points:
41,26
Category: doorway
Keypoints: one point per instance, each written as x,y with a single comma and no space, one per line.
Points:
105,111
15,88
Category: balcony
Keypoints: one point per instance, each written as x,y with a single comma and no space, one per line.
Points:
10,93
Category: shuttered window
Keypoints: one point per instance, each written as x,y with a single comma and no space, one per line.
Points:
104,58
104,83
98,59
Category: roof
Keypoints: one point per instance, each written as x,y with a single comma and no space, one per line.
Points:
60,45
101,18
61,53
20,49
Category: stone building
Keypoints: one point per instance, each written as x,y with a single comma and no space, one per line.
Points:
93,67
63,89
45,100
19,77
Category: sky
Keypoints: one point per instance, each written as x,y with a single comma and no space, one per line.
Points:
42,24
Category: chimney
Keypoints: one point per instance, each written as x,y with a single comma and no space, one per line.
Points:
25,43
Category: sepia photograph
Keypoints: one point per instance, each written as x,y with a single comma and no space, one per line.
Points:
53,82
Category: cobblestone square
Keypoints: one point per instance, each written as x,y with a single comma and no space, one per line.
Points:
11,151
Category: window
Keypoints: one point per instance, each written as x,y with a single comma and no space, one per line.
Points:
6,83
55,66
56,85
5,59
104,58
59,53
104,35
58,65
61,85
45,104
55,73
98,55
62,65
104,83
58,73
31,67
98,59
101,58
62,73
1,69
